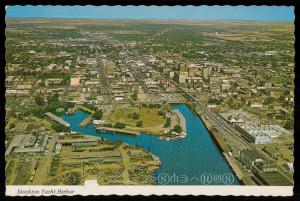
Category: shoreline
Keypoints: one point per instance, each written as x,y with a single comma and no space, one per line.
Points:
221,145
223,148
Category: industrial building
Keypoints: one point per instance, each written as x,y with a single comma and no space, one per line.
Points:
253,133
265,171
27,144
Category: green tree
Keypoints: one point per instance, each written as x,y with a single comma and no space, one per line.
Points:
177,129
11,126
60,128
98,114
289,124
134,115
119,125
168,122
39,100
269,100
53,98
108,125
161,113
139,123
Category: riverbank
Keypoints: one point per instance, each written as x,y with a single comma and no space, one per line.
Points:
226,150
235,166
222,146
220,142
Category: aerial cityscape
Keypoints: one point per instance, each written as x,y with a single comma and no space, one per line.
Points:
149,101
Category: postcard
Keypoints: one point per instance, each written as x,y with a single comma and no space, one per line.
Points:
138,100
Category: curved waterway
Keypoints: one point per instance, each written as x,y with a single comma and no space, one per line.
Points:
193,160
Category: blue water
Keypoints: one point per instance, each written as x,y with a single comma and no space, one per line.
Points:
194,160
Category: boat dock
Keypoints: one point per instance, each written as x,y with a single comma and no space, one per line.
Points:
117,130
168,138
86,121
57,119
72,110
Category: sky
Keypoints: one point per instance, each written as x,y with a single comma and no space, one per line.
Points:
256,13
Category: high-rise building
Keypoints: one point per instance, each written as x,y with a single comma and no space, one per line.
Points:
205,73
180,77
182,67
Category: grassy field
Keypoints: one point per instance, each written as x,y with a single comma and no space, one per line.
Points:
148,116
9,101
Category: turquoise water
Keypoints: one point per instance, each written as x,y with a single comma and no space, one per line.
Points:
194,160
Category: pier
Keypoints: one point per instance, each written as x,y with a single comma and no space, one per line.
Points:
57,119
86,121
117,130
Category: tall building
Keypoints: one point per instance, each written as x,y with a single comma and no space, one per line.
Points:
182,67
180,77
205,73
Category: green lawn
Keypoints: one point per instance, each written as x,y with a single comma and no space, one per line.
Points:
149,116
279,79
9,101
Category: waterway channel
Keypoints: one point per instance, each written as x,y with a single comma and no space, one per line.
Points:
193,160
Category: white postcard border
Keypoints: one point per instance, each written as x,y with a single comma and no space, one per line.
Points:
85,190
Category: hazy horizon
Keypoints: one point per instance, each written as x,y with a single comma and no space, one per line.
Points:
202,13
143,19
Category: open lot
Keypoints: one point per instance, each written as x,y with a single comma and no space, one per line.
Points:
148,116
